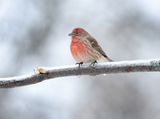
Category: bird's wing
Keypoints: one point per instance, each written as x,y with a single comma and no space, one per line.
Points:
97,47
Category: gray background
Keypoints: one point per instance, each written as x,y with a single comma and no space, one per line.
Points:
35,33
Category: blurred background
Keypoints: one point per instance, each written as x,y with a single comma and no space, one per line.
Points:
35,33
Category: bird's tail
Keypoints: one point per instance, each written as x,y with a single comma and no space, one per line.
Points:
106,59
110,60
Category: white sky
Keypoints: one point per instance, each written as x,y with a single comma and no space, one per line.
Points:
151,8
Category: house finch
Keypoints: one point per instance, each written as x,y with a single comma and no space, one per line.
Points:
85,49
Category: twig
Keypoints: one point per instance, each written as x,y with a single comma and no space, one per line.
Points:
100,68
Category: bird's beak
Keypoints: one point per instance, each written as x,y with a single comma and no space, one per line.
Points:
71,34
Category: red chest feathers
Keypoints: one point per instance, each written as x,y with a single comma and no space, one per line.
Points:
77,47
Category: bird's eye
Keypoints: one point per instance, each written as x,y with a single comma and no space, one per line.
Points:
77,33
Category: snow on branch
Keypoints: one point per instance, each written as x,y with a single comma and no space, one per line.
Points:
74,70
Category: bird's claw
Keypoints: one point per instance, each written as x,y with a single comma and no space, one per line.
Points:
79,64
93,63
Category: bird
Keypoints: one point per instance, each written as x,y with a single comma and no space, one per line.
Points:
85,48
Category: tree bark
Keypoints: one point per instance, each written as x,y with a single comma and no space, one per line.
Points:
74,70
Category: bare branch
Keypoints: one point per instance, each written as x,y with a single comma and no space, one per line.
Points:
100,68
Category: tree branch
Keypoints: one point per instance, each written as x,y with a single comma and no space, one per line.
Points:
100,68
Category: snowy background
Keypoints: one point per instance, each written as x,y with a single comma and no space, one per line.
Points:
35,33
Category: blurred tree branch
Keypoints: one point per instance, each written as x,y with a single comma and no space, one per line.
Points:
100,68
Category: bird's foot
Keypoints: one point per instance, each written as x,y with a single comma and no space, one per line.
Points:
93,63
79,64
